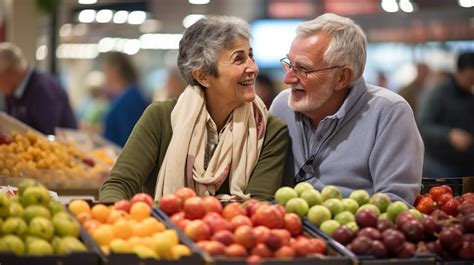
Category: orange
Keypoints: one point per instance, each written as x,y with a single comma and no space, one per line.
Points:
100,212
122,229
79,206
140,211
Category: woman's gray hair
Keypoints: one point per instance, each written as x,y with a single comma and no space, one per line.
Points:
348,44
11,58
202,42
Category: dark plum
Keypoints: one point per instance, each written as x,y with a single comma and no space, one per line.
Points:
378,249
362,245
393,240
371,233
451,239
413,230
384,224
408,250
366,218
343,235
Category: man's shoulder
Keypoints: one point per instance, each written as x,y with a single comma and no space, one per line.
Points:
384,95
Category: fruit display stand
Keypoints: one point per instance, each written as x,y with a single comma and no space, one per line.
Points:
26,153
420,259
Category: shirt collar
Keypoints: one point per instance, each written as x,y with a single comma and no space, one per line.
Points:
354,94
20,89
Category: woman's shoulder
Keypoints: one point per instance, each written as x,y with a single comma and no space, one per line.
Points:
165,106
275,123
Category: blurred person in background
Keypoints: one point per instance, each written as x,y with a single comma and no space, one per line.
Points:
34,98
174,85
412,92
127,100
265,89
92,110
382,80
217,137
446,121
345,132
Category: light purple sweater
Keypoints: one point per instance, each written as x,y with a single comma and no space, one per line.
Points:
371,143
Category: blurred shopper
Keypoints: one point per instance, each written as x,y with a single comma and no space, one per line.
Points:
174,85
382,80
128,102
217,137
446,121
415,89
34,98
265,89
345,132
94,108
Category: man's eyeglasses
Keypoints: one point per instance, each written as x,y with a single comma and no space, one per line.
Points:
286,65
306,171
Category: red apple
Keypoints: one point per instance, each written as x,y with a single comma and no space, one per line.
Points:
182,224
261,250
216,222
214,248
284,235
251,206
197,230
245,236
318,246
175,218
236,251
122,205
170,204
194,208
142,197
301,247
293,224
233,209
273,241
185,193
261,233
269,216
212,204
284,252
240,220
224,236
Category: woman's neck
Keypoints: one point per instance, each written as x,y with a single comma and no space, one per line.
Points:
219,111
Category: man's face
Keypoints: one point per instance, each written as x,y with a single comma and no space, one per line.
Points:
7,83
466,78
313,91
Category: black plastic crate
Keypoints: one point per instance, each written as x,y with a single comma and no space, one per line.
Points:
77,258
333,257
416,260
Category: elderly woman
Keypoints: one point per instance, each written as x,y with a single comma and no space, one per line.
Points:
217,138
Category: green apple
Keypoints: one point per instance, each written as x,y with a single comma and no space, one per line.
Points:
39,247
344,217
371,207
15,198
284,194
353,226
41,227
329,226
33,211
330,192
298,206
26,183
318,214
14,226
302,187
69,244
383,216
350,205
12,243
394,209
4,205
16,210
381,200
66,225
35,195
334,205
417,214
312,197
360,196
55,207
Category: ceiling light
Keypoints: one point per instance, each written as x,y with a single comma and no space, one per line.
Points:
191,19
198,2
389,6
41,52
104,16
136,17
87,16
65,30
87,2
120,17
406,6
466,3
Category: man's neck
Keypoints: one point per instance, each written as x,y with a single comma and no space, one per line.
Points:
328,109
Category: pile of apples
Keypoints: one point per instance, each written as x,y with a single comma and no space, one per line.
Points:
128,227
441,197
254,230
32,224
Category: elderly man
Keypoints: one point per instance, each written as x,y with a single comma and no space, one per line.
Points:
343,131
34,98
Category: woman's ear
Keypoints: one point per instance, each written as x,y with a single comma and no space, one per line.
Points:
344,78
201,77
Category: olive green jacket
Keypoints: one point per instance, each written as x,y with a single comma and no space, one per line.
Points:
136,169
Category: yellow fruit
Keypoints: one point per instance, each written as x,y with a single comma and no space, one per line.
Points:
152,225
100,212
140,211
116,215
103,235
79,206
179,251
122,229
144,252
164,241
120,246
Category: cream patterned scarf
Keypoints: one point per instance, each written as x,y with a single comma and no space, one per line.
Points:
235,156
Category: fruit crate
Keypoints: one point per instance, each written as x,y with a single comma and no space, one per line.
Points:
77,258
371,260
196,257
334,256
455,183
